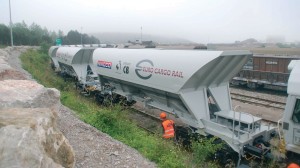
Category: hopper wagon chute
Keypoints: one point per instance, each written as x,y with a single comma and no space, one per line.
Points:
186,83
75,62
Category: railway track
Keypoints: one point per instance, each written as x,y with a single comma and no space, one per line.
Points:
146,129
146,121
257,101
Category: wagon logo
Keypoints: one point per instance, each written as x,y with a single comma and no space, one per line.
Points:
139,69
104,64
271,62
145,69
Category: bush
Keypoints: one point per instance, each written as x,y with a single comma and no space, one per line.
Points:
45,47
204,150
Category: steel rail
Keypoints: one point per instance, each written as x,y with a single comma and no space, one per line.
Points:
258,101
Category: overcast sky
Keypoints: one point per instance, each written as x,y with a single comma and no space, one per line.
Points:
196,20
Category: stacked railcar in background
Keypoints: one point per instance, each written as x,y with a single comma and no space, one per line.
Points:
265,70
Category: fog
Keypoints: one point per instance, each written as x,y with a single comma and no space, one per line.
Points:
210,21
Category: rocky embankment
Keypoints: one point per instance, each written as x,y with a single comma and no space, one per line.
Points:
37,131
29,136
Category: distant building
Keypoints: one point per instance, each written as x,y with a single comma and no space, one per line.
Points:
147,44
275,39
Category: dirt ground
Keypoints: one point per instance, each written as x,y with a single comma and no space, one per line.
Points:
93,149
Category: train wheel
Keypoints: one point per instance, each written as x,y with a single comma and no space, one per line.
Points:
252,85
130,103
183,136
116,98
226,157
229,163
76,85
108,100
261,86
99,98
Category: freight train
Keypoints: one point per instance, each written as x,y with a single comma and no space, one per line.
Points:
265,71
192,85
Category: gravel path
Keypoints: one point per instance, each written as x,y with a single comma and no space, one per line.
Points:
15,62
93,149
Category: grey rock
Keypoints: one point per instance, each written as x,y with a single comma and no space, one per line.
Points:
29,138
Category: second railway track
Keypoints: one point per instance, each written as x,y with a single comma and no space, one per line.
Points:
258,101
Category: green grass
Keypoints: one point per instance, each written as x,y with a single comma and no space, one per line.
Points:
113,120
3,46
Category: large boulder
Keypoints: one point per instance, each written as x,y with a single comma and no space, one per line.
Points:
27,94
28,133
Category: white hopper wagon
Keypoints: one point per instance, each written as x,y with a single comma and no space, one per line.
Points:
75,62
185,83
291,118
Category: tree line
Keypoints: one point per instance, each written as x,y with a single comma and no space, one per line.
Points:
36,35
